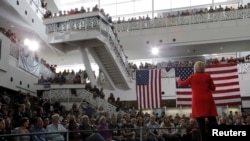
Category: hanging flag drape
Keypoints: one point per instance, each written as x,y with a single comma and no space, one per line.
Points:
148,88
225,77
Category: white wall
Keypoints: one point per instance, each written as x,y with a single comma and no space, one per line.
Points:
4,57
9,68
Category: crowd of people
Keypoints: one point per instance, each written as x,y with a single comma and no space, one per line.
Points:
187,12
84,122
188,63
73,11
8,33
65,77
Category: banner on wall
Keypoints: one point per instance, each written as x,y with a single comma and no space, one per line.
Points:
28,62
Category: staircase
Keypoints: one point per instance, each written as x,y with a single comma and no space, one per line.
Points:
106,61
89,31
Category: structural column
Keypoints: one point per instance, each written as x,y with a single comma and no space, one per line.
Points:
87,65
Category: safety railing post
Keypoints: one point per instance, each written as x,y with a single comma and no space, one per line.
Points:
67,136
140,133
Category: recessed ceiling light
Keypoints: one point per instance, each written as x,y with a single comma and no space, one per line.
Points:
155,51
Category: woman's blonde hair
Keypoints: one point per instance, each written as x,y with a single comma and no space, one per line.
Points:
199,66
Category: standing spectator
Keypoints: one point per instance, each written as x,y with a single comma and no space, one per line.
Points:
118,103
18,114
95,91
43,4
41,80
111,98
89,110
46,106
102,95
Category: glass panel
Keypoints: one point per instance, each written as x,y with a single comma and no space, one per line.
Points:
110,9
162,4
200,2
216,1
125,8
107,2
143,6
180,3
122,1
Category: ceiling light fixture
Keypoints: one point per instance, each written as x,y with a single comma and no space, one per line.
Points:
32,45
155,51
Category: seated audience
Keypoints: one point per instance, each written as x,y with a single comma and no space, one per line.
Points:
89,134
55,126
38,128
22,129
103,129
4,131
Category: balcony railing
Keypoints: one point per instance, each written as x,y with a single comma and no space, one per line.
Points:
182,20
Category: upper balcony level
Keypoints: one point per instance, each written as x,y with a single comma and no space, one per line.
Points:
91,31
226,30
179,36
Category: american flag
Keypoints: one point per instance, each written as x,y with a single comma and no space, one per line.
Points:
148,88
225,77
